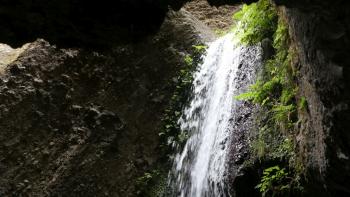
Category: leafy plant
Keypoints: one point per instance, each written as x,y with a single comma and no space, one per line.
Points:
288,94
260,145
188,60
200,48
260,92
145,178
182,137
282,114
256,22
275,92
281,37
285,149
151,184
274,181
170,134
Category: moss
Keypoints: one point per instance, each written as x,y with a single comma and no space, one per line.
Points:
302,103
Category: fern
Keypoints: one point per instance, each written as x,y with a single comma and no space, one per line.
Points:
200,48
256,22
276,93
272,181
281,113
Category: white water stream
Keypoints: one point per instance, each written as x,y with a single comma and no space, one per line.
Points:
199,170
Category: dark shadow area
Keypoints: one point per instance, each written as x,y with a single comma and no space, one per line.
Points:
77,23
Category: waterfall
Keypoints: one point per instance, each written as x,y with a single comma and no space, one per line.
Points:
200,169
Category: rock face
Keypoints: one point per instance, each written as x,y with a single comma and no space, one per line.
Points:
244,124
320,32
75,122
8,55
217,18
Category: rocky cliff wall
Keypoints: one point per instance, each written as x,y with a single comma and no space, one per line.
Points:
75,122
320,32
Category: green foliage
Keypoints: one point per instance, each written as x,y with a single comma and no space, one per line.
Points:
183,82
285,149
261,145
281,37
220,32
302,104
270,143
145,179
154,183
274,181
275,92
151,184
261,93
183,136
170,133
188,60
288,95
256,22
200,48
282,114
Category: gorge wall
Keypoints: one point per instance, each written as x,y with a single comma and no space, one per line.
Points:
75,122
320,31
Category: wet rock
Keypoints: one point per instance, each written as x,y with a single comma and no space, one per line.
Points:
267,48
244,125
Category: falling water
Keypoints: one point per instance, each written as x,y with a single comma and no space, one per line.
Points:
199,170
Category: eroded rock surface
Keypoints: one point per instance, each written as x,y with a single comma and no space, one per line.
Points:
320,32
75,122
217,18
8,55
